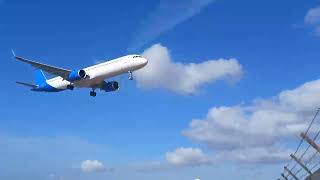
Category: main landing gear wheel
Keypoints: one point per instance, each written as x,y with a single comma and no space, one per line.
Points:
130,75
93,94
70,87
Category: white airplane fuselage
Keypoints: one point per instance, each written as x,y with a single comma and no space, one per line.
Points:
98,73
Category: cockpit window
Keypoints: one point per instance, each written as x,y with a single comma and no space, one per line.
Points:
136,56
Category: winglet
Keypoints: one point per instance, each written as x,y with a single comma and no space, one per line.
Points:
13,53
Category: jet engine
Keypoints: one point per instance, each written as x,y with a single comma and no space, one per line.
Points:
76,75
110,86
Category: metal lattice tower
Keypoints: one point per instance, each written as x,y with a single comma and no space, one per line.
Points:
304,163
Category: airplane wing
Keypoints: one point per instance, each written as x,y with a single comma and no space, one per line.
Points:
47,68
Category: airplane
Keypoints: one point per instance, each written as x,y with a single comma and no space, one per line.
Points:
90,77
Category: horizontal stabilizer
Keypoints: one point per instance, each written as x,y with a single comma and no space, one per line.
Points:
27,84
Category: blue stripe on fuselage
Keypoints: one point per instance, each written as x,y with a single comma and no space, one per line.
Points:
45,87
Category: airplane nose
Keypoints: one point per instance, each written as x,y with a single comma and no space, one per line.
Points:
145,61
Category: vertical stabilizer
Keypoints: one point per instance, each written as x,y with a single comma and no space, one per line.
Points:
40,77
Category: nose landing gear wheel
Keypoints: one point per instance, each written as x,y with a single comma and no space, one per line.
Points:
130,75
93,94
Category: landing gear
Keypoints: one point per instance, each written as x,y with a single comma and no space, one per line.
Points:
93,94
70,87
130,75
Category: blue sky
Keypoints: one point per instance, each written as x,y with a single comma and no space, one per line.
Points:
135,131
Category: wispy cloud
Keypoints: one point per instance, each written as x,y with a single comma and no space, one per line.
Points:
313,19
184,157
166,16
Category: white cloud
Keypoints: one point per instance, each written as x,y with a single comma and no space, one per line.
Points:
253,133
183,157
187,157
89,166
255,155
234,127
166,16
162,72
313,16
303,98
313,19
260,123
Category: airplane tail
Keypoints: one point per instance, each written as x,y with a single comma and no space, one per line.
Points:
40,77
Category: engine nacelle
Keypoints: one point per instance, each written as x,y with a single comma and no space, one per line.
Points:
76,75
110,86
